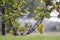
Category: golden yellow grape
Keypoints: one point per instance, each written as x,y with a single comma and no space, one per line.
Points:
39,15
35,11
41,28
38,7
22,29
12,21
11,31
6,15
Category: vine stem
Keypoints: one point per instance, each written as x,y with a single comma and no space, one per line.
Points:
36,25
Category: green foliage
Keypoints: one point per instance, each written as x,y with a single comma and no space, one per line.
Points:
47,14
16,8
12,10
26,25
38,16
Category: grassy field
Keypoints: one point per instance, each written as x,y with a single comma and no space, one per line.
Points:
35,37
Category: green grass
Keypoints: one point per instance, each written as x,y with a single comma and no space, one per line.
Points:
36,37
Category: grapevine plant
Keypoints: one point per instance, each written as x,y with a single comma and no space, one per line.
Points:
12,9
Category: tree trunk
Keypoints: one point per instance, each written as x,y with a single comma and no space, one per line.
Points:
3,28
2,23
15,32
